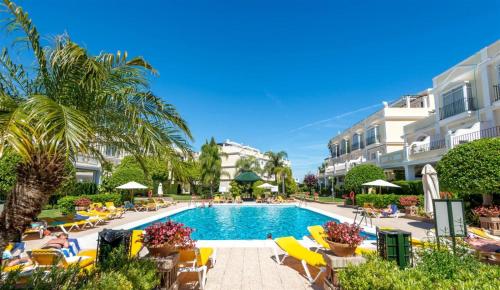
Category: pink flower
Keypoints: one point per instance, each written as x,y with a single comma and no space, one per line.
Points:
169,233
343,233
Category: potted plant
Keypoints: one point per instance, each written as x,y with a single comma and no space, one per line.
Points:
489,216
343,238
82,203
409,203
162,239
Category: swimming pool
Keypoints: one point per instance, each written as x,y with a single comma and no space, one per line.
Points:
233,222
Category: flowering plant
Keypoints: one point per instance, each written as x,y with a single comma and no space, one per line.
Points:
487,211
343,233
170,233
82,202
408,200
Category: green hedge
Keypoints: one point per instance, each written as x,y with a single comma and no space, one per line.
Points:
383,200
410,187
67,204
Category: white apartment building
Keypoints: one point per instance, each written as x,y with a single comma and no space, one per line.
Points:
467,108
463,105
89,168
231,153
376,135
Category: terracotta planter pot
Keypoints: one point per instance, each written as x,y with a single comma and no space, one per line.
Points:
491,223
161,251
341,250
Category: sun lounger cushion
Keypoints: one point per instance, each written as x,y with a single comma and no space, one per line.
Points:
318,234
202,258
294,249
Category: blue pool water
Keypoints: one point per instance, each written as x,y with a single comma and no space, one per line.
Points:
248,222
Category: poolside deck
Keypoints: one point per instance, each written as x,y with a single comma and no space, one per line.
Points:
247,265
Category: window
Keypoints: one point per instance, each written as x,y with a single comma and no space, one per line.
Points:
334,150
344,147
356,142
498,71
111,151
372,136
456,101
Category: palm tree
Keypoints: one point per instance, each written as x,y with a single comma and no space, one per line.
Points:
248,163
210,164
71,102
276,161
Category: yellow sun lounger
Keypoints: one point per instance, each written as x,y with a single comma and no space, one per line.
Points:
294,249
49,258
217,199
137,245
196,260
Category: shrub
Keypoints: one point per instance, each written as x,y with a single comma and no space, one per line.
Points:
435,270
256,190
383,200
343,233
411,200
361,174
67,204
8,174
471,168
408,187
169,233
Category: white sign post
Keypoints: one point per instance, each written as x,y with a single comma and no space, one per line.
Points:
449,219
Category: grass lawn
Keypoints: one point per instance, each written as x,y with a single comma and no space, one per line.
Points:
330,199
182,197
50,213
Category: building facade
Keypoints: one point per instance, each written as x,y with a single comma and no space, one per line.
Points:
231,152
463,105
89,169
379,134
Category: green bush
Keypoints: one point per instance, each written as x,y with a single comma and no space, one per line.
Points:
8,175
435,270
411,187
67,206
471,168
383,200
361,174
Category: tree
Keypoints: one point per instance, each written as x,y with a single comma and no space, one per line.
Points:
70,102
8,164
248,163
472,168
210,165
362,174
310,180
276,164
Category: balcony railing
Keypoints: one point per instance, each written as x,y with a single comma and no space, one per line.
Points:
432,145
496,93
485,133
457,107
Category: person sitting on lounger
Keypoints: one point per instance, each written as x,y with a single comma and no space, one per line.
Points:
387,210
60,242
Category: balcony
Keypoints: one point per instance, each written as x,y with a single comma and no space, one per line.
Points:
481,134
457,107
496,93
428,146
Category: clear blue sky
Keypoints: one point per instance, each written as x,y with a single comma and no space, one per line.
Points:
266,73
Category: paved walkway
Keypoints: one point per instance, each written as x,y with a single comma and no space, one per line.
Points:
251,267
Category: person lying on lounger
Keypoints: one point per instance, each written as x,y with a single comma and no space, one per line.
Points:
60,242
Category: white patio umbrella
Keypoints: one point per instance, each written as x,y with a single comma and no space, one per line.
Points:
380,183
431,187
266,186
131,186
160,189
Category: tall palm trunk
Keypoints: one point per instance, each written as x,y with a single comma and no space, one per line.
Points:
36,181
